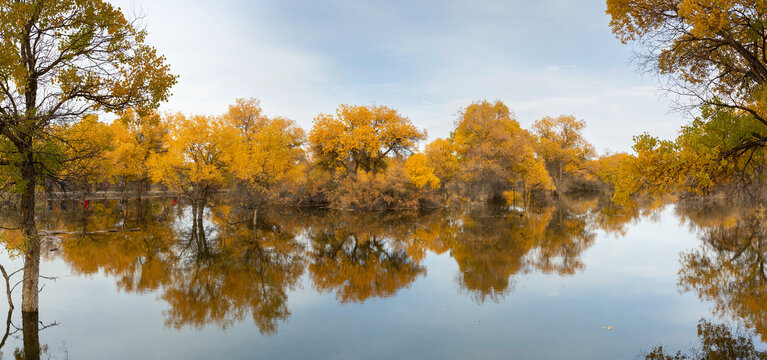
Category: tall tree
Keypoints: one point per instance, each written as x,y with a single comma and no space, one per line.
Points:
495,153
193,160
264,151
60,59
562,145
362,137
441,157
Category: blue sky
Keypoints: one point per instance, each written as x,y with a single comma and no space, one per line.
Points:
425,58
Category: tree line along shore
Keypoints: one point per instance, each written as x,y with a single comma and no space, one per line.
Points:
360,158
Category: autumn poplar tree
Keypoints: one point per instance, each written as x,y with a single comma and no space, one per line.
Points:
135,138
59,60
264,151
494,153
420,172
562,145
192,160
362,137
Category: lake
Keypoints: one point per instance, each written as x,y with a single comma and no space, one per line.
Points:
579,279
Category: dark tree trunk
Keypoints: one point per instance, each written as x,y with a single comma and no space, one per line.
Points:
29,292
30,329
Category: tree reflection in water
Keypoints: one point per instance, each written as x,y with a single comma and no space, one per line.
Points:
215,266
728,268
30,333
491,246
717,342
359,256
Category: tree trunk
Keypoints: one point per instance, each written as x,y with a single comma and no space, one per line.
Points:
30,331
29,298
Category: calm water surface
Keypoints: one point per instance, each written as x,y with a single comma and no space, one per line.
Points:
579,280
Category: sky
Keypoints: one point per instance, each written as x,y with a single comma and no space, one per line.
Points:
427,59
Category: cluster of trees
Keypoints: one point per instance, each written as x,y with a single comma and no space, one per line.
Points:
63,60
727,269
362,157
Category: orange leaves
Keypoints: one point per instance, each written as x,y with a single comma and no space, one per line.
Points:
361,137
562,145
14,242
206,153
387,190
134,139
245,115
420,173
192,155
441,157
262,151
495,153
82,146
709,49
95,60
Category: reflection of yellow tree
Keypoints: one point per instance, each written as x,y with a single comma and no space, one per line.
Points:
605,215
566,237
729,270
361,256
216,266
710,215
205,279
250,270
717,342
490,249
492,245
138,259
358,256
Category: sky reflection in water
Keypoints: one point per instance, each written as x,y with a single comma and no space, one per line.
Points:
483,283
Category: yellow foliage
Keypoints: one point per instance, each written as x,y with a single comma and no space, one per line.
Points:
83,146
608,167
192,158
261,151
710,48
361,138
535,175
441,157
420,173
387,190
562,145
134,139
494,153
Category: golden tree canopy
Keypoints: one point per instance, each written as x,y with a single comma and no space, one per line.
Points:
361,137
562,145
494,152
262,151
193,155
